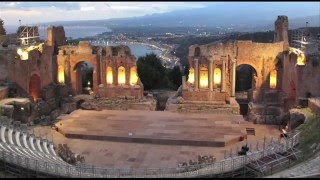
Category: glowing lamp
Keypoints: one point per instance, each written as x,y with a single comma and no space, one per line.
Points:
133,76
24,55
273,79
191,76
301,59
217,76
121,75
109,75
61,74
203,77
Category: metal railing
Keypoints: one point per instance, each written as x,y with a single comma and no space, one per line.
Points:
229,164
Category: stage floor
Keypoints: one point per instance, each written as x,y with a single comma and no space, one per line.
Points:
155,127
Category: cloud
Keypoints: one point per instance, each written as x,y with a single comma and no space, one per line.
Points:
89,8
35,12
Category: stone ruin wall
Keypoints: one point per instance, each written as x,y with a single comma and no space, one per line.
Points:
299,80
261,56
20,71
100,57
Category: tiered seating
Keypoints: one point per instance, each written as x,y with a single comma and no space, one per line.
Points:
20,142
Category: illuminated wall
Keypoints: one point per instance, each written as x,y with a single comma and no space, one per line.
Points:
204,77
191,76
121,75
217,76
273,79
109,75
61,74
133,75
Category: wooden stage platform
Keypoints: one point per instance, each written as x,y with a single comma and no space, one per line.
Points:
155,127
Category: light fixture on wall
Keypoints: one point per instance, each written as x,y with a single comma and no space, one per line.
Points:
217,76
203,77
109,75
191,76
61,74
273,79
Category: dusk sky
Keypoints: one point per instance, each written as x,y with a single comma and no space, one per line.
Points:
37,12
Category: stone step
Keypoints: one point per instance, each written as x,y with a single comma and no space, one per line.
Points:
250,131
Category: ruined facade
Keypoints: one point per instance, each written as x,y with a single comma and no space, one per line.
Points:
114,70
282,77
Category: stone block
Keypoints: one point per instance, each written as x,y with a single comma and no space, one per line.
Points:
256,108
7,110
296,118
54,114
314,105
273,110
3,92
48,93
271,97
67,108
303,102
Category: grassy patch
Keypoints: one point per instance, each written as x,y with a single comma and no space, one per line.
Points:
310,133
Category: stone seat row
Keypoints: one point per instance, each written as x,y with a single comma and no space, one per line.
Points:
24,144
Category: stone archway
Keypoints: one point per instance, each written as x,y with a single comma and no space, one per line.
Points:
246,83
83,77
245,77
35,87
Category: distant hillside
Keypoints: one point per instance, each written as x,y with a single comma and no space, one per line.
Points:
237,15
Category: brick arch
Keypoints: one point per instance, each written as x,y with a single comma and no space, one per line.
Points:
74,79
256,84
254,66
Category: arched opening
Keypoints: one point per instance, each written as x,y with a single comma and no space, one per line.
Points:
35,87
273,79
197,52
61,74
217,77
246,79
121,75
79,103
109,75
133,76
191,76
204,77
84,77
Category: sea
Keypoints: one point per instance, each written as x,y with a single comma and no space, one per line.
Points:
136,49
75,32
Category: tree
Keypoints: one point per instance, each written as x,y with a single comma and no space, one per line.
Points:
2,30
175,77
151,72
186,71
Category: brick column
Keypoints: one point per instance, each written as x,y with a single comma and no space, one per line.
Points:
223,84
210,76
196,75
233,80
